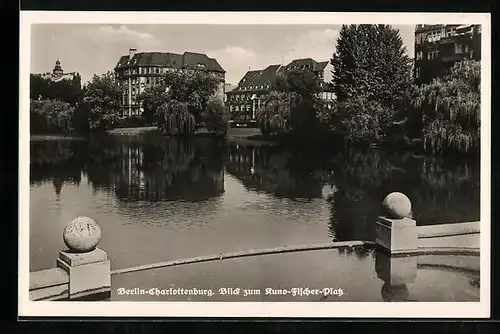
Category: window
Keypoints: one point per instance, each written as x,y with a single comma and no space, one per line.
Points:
249,107
231,108
458,48
236,108
432,54
419,55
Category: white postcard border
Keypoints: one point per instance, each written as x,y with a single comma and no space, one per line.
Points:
252,309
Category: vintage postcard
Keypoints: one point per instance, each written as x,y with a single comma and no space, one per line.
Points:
259,164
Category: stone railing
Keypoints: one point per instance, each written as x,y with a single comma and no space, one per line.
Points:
83,272
397,233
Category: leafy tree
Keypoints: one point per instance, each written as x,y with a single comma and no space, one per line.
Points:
371,75
50,116
177,93
216,117
177,120
274,115
370,60
451,110
193,87
101,98
361,119
294,106
68,90
152,99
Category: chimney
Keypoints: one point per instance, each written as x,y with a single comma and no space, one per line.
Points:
131,53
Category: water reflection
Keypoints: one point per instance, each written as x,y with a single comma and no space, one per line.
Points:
135,168
271,170
355,183
352,183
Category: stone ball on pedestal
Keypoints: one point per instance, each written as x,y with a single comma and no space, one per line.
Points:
82,235
397,205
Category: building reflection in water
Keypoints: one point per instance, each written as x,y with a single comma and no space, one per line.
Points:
135,168
352,184
169,170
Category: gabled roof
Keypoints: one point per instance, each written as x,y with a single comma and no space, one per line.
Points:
256,78
186,60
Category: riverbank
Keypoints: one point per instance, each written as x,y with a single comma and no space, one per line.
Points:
54,137
132,131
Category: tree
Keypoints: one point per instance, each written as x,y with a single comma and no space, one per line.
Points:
371,75
50,116
152,99
190,88
177,120
451,110
274,115
194,87
294,106
67,90
216,117
370,60
101,98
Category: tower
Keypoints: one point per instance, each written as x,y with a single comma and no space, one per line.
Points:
57,68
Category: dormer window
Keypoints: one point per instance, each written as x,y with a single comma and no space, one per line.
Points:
201,65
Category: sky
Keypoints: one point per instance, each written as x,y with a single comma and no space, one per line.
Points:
94,49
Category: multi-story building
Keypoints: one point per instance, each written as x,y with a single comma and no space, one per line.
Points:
244,100
137,71
439,46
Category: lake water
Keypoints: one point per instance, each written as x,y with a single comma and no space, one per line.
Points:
160,199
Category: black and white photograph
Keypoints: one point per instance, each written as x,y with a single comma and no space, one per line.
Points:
215,164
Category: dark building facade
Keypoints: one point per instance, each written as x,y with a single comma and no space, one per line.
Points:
244,100
439,46
137,71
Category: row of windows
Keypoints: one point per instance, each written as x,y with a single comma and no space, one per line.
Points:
243,107
255,87
143,81
241,97
434,54
133,112
159,70
328,96
436,35
146,70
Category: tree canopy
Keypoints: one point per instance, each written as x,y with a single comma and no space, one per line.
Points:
370,60
101,99
451,109
294,105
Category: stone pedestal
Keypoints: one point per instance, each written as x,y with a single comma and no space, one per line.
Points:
89,272
397,236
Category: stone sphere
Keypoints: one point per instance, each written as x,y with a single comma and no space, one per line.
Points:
397,206
82,234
